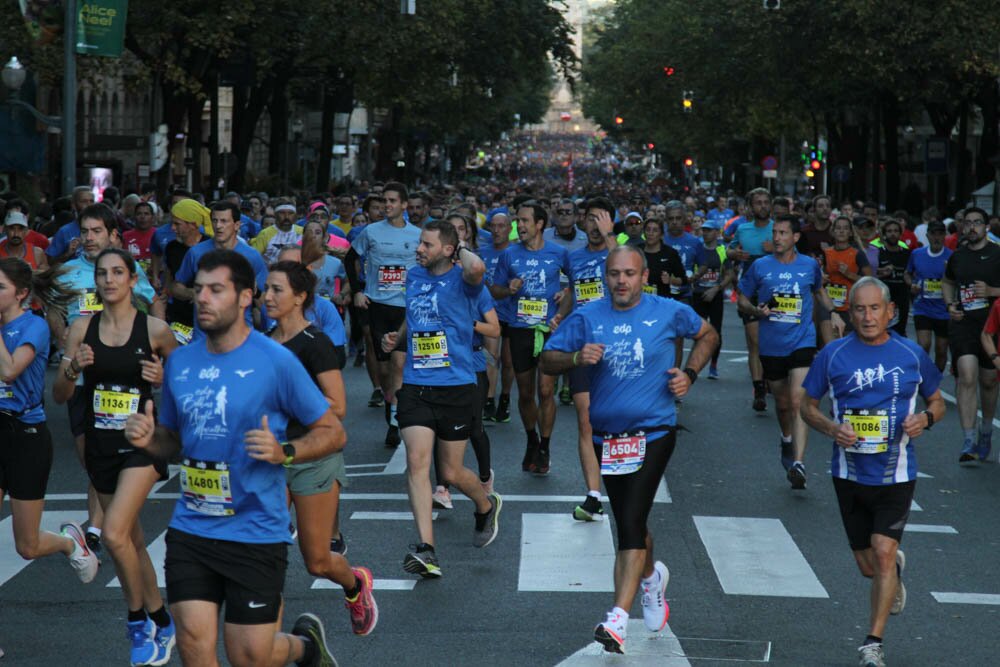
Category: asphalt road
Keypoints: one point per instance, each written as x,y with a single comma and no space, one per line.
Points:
759,573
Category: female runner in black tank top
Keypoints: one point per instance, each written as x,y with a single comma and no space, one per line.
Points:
118,350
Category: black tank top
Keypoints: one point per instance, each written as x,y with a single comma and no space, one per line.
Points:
113,385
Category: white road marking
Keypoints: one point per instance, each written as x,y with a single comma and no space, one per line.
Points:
642,647
561,554
395,466
754,556
158,554
377,584
914,507
387,516
737,360
662,493
967,598
929,528
11,563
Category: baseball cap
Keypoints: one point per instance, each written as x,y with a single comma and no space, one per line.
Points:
714,223
633,214
318,206
710,199
16,218
936,226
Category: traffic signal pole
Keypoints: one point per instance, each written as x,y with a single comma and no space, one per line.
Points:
69,98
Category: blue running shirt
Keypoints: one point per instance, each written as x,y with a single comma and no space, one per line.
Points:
79,276
790,325
629,388
480,307
489,254
439,328
535,303
691,249
875,387
189,270
389,253
586,275
25,393
211,401
927,271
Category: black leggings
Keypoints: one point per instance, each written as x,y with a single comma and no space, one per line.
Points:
711,311
632,495
480,441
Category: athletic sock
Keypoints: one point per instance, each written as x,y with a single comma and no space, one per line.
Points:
505,399
137,615
94,531
532,438
970,434
758,387
160,617
786,439
309,651
352,593
594,494
392,415
872,639
544,445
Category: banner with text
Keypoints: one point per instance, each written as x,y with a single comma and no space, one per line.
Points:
100,27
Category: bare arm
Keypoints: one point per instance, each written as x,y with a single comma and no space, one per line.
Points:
331,383
473,268
491,327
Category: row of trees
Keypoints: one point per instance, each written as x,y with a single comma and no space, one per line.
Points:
454,72
853,71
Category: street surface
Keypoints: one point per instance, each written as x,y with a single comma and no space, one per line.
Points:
759,574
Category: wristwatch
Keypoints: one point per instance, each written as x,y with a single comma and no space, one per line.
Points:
994,356
930,419
289,450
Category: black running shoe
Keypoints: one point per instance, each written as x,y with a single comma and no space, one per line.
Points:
310,627
540,463
392,438
589,510
377,399
797,476
503,412
489,410
423,561
529,457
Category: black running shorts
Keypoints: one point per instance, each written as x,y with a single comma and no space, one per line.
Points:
448,411
778,368
383,319
25,458
924,323
103,467
246,578
522,349
963,340
866,510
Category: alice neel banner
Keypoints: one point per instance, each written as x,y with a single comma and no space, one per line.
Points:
100,27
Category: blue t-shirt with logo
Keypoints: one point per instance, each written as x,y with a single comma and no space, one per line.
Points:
23,396
535,303
790,324
189,270
389,252
505,307
211,401
927,271
586,275
61,239
690,248
321,313
751,239
875,387
163,235
79,276
439,328
629,388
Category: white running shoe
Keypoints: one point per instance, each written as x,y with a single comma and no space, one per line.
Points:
611,633
442,498
83,559
655,610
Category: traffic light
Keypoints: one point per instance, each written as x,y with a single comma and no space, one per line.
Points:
650,146
619,121
688,162
687,101
815,165
669,71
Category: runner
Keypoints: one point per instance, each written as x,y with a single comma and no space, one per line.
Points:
626,342
713,276
227,540
388,248
117,351
893,258
845,263
873,377
25,443
924,273
498,411
528,273
180,314
315,486
284,232
586,268
667,276
782,284
438,396
16,244
971,284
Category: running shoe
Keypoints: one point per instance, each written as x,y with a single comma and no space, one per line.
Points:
787,455
655,610
364,611
423,561
589,510
564,396
759,402
797,476
871,655
82,559
377,400
392,438
338,545
94,544
308,626
488,484
442,498
899,602
165,639
540,462
970,453
984,445
140,634
489,410
529,457
359,361
488,525
713,373
611,633
503,412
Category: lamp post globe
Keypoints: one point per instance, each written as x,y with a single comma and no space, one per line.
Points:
13,74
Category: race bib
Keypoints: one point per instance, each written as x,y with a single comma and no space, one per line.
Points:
89,302
146,264
969,299
649,289
674,289
112,406
430,350
837,294
590,289
391,278
532,311
709,279
182,332
623,454
932,289
788,308
6,390
872,428
206,488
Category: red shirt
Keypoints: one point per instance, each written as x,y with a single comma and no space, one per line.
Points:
137,243
992,326
910,239
951,242
36,239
